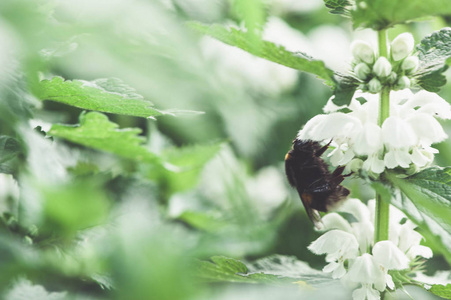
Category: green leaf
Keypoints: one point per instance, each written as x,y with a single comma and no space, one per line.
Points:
222,269
275,269
426,200
252,12
267,50
74,206
9,150
386,13
434,51
289,267
338,7
441,290
105,95
96,131
344,90
182,166
203,220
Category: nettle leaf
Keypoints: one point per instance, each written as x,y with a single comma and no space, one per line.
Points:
434,52
338,7
106,95
290,267
96,131
426,200
441,290
267,50
344,89
386,13
275,269
181,166
222,269
9,150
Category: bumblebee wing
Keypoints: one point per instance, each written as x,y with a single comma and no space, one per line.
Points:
313,214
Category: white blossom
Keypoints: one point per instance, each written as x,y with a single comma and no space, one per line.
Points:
404,139
374,85
410,64
362,51
362,70
403,82
402,46
352,255
382,67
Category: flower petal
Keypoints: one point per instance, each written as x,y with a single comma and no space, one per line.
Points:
336,244
335,221
390,256
419,250
397,133
365,269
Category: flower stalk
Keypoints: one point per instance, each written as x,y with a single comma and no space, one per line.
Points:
382,207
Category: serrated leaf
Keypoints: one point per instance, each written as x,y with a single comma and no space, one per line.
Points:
434,51
344,90
222,269
441,290
9,150
96,131
276,270
426,199
289,267
267,50
386,13
105,95
338,7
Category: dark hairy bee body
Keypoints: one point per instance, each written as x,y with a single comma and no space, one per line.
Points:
319,189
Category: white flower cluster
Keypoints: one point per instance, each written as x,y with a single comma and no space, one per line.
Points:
404,139
376,72
352,255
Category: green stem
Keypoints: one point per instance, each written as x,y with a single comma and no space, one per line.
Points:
382,207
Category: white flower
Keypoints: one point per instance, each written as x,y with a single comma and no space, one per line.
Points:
362,51
368,272
366,292
403,83
374,85
402,46
382,67
362,71
337,244
405,137
390,256
397,133
392,78
410,64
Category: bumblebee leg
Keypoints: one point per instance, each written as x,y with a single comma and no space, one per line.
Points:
338,171
323,149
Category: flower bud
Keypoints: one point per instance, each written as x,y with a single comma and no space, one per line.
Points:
382,67
402,46
403,83
362,71
362,51
374,85
410,64
392,78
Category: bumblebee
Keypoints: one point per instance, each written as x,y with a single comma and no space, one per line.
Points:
319,189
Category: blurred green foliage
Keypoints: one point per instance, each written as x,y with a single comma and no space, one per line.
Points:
114,205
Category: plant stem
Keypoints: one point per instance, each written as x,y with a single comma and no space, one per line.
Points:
382,207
